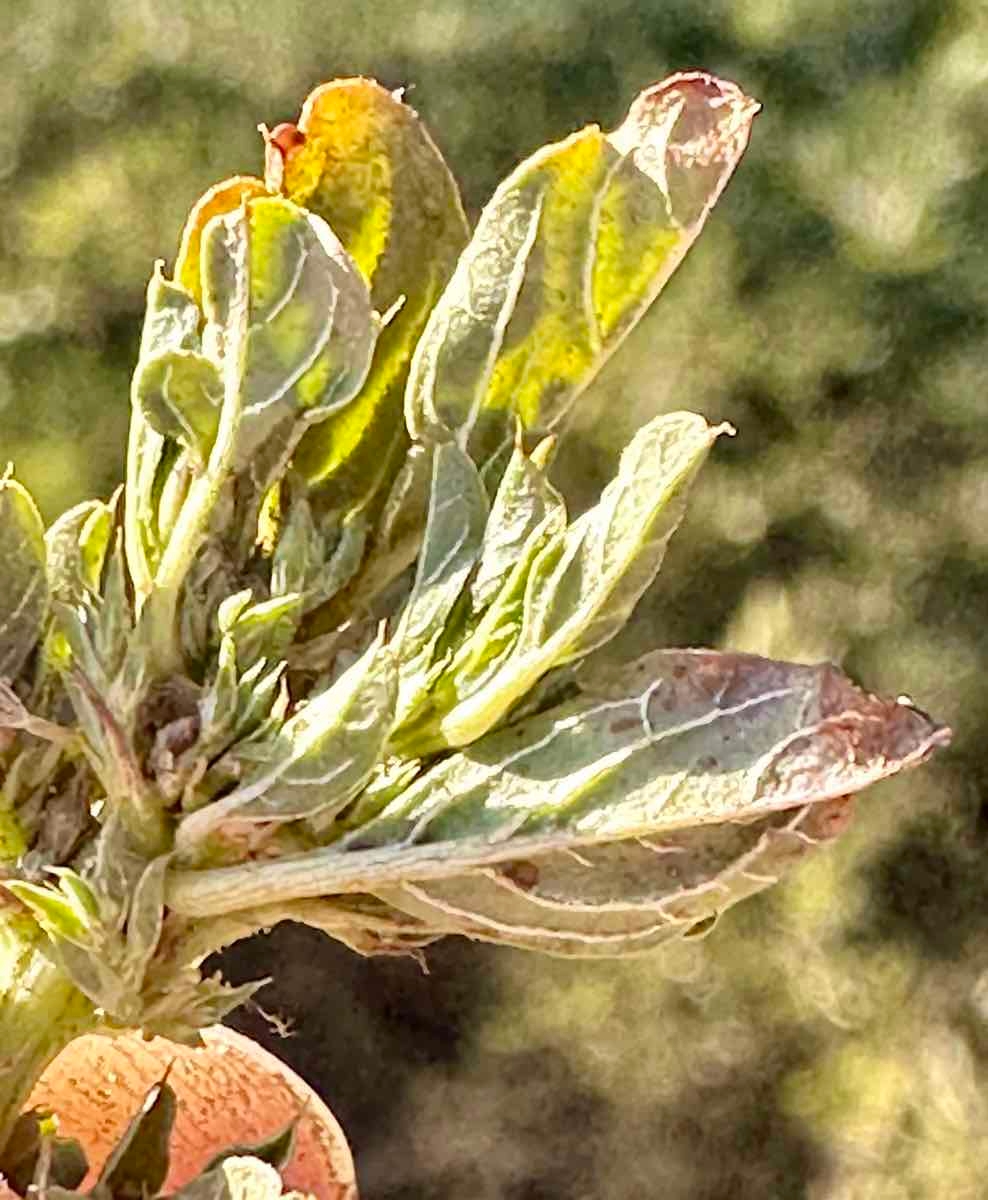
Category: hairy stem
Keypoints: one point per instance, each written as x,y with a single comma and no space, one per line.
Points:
192,526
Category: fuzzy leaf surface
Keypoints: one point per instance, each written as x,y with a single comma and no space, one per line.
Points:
303,347
319,760
680,743
579,589
367,165
567,256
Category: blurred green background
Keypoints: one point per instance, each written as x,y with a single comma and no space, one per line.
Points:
830,1040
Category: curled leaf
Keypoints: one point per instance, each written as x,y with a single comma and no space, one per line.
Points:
680,742
171,327
180,394
362,160
567,256
225,197
308,331
626,897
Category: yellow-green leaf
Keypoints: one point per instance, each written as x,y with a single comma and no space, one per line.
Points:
573,247
224,198
367,165
309,330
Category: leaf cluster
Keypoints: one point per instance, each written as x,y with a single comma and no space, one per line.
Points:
331,653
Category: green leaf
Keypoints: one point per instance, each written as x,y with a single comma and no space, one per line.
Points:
567,256
367,165
180,393
523,500
681,751
137,1166
320,759
576,592
309,330
676,739
24,590
608,557
454,535
145,918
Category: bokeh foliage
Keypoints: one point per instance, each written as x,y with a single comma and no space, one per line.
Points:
830,1040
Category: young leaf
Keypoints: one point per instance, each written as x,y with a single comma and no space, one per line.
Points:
75,551
309,329
578,591
171,326
290,328
180,393
223,198
680,740
366,164
570,252
320,759
316,558
24,590
454,534
145,917
523,500
392,549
